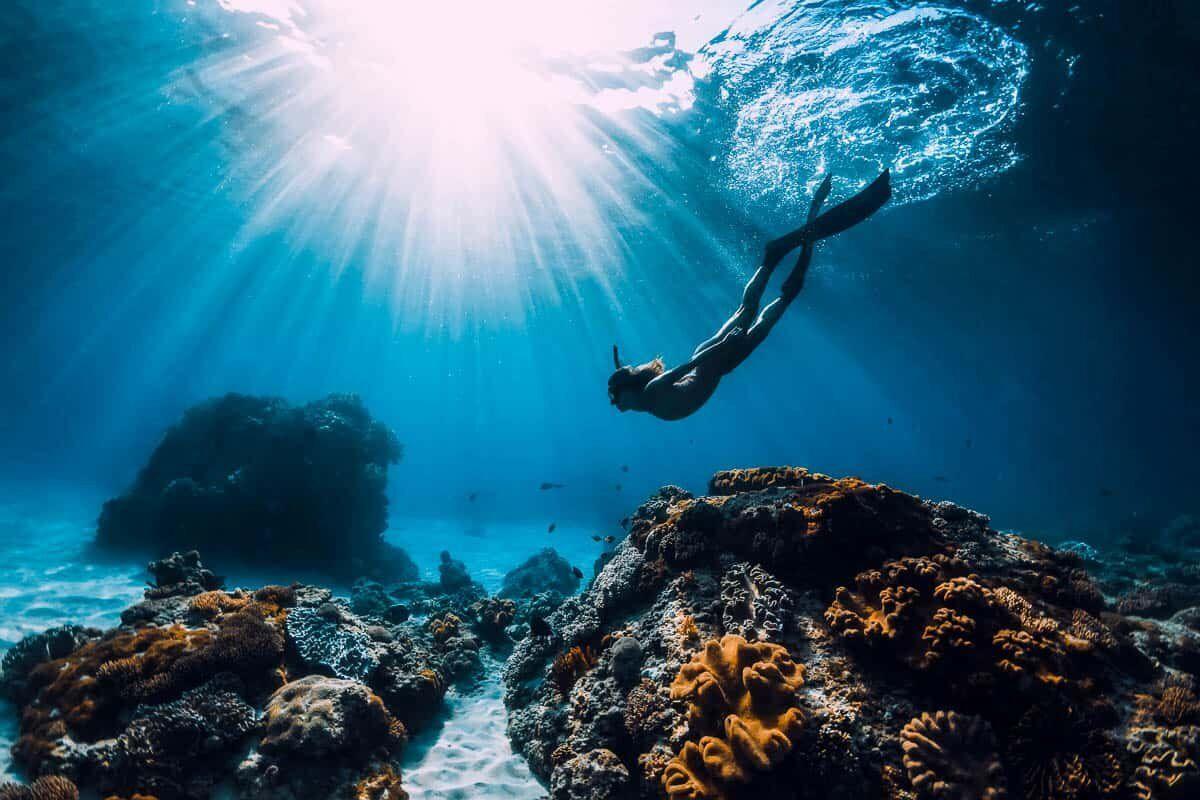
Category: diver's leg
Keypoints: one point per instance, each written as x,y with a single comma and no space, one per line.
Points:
844,215
751,299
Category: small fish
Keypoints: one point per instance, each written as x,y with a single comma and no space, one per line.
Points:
1106,492
577,572
553,525
609,539
618,487
624,522
968,444
397,613
539,627
624,468
471,497
941,478
595,538
889,420
547,486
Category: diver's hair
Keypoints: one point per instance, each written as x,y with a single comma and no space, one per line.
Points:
635,378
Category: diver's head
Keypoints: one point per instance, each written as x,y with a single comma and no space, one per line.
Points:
626,384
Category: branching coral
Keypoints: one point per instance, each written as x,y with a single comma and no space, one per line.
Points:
570,666
952,756
743,695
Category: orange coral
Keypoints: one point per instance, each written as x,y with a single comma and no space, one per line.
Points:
952,756
211,605
744,693
381,785
686,627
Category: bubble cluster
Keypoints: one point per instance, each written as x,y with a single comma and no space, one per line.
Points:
927,90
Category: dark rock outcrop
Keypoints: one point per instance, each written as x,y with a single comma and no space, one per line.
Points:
251,478
545,571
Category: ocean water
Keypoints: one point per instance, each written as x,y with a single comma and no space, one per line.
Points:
456,209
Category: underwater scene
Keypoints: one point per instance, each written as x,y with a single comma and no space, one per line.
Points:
630,400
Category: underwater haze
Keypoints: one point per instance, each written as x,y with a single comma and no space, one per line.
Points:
454,210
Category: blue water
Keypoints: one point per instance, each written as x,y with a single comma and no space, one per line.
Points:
456,209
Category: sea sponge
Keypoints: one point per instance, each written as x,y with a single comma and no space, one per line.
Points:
744,693
49,787
570,666
952,756
1167,762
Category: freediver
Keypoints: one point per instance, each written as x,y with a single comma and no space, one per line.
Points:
677,393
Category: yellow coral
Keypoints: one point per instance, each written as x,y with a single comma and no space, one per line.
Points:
745,693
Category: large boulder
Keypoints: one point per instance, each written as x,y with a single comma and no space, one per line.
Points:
254,479
544,571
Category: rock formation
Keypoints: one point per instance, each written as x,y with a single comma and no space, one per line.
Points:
246,478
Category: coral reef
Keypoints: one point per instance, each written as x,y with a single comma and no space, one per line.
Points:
249,477
165,710
940,658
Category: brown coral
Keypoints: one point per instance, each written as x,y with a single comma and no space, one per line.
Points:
85,693
570,666
211,605
743,694
952,756
445,627
381,785
50,787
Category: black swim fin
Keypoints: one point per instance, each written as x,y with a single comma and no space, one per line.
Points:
843,216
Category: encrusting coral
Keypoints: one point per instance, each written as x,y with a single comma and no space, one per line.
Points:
743,695
1167,762
952,756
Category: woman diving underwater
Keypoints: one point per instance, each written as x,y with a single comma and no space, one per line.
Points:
679,392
